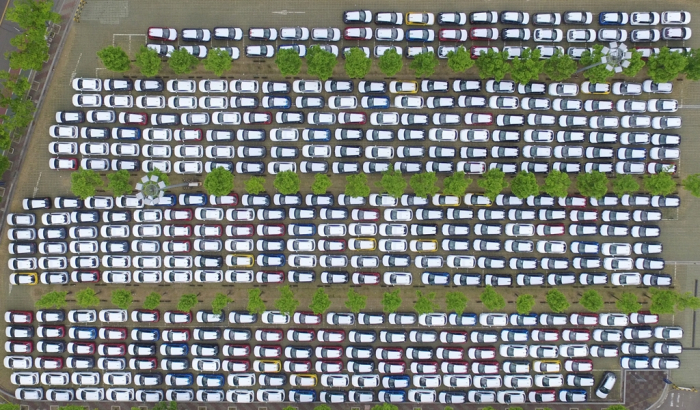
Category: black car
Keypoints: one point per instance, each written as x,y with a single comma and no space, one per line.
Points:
70,117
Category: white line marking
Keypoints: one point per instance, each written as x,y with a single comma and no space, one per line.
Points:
36,187
72,76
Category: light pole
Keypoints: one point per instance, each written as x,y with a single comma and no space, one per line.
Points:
616,58
151,189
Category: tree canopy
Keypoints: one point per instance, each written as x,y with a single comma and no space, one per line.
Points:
624,184
636,64
84,182
287,182
456,184
255,302
460,60
321,184
392,183
423,64
219,302
627,303
557,301
491,299
527,67
114,58
182,62
692,184
355,302
424,184
557,184
255,185
592,184
320,62
425,303
599,73
493,64
692,68
493,182
148,61
152,301
52,300
357,64
87,298
667,301
32,14
286,303
356,185
524,304
391,301
187,302
288,62
666,65
122,298
559,66
390,62
218,61
219,182
456,301
591,300
524,185
119,183
320,302
660,184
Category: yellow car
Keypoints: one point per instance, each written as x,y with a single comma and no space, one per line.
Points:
303,380
408,87
446,200
547,366
362,244
423,245
600,88
420,19
267,366
24,278
240,261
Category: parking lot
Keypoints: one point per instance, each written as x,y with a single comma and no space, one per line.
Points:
226,226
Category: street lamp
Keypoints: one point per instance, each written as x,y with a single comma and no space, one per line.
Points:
152,189
616,58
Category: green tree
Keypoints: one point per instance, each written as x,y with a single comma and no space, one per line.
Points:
162,176
456,301
287,303
32,14
636,64
218,61
660,184
322,407
599,73
182,62
692,68
392,183
624,184
187,302
391,301
255,302
493,182
628,303
288,62
287,182
122,298
13,96
87,298
356,185
172,405
557,301
114,59
356,302
152,301
255,185
84,182
32,51
524,185
219,303
385,406
492,64
560,66
424,184
219,182
321,184
119,182
687,301
667,301
666,65
616,407
70,408
425,303
390,63
148,61
524,304
691,183
527,67
357,64
4,164
320,302
456,184
557,184
459,61
592,184
423,65
289,408
591,300
52,300
491,299
320,62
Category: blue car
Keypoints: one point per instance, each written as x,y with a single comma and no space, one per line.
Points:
465,319
210,380
420,34
145,335
179,379
572,395
302,396
193,199
276,102
379,101
174,349
301,229
316,134
515,335
585,247
126,133
271,260
392,396
436,278
167,200
82,333
397,382
613,18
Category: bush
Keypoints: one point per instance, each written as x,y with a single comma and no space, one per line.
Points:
320,302
287,182
288,62
692,68
666,65
628,303
557,301
660,184
592,184
459,61
493,64
320,62
527,67
287,303
255,302
591,300
119,183
114,59
219,303
392,183
391,301
355,302
424,303
560,66
691,183
456,184
218,61
122,298
52,300
524,185
148,61
424,184
524,304
182,62
152,301
624,184
255,185
356,185
321,184
357,64
456,301
423,65
219,182
557,184
491,299
390,63
87,298
84,182
4,164
493,182
187,302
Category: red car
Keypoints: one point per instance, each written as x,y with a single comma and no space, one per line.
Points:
48,363
453,34
240,230
85,276
365,214
17,346
267,351
19,316
235,366
358,33
70,164
178,214
352,118
145,316
365,278
550,229
271,230
82,348
137,118
476,51
257,117
227,200
176,335
162,33
111,349
182,246
483,33
236,350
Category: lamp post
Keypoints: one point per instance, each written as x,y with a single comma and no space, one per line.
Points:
616,58
151,189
